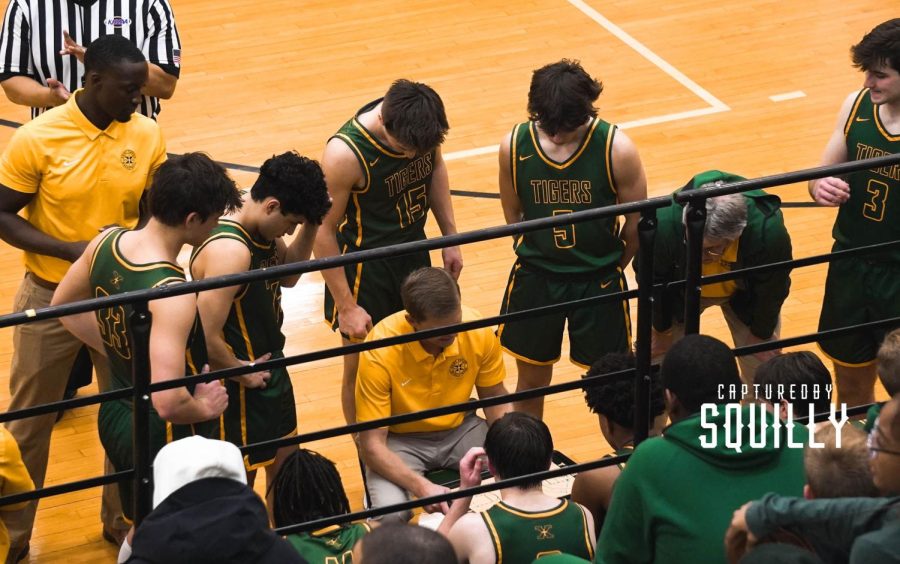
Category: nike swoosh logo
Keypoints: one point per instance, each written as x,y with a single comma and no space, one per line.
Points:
68,163
862,119
405,382
606,284
521,158
375,161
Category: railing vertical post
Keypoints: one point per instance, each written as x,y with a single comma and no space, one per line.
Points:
695,221
140,321
646,237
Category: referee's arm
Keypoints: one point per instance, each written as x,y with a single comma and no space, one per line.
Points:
162,47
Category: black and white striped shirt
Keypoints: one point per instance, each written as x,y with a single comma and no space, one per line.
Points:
32,37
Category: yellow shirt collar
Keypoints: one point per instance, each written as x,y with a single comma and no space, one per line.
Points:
84,124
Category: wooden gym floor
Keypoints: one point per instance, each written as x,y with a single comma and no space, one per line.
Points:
748,87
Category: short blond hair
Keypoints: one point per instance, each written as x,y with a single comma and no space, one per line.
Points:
843,471
889,362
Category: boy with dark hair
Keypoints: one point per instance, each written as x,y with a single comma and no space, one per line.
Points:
121,260
384,171
243,324
564,160
309,487
794,370
403,544
526,523
613,403
863,288
672,501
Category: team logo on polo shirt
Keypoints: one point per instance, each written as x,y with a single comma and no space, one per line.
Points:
458,367
128,159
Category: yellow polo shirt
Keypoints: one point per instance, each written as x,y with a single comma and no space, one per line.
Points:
721,289
82,178
406,378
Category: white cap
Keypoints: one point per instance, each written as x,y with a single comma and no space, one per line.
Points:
187,460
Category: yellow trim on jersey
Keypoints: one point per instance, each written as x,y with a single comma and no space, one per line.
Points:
534,514
239,313
609,172
584,526
135,267
574,157
243,402
241,228
374,141
846,364
509,287
189,358
625,309
268,461
880,126
853,110
168,280
367,176
359,228
530,361
97,249
356,282
495,538
169,435
513,152
324,531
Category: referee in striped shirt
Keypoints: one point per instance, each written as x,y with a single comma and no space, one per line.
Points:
41,47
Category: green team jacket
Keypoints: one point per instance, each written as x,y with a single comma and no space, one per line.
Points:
758,298
858,530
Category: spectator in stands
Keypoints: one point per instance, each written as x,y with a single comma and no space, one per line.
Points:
14,479
858,530
613,402
398,543
888,372
673,500
525,523
421,375
838,469
308,487
741,231
797,369
203,511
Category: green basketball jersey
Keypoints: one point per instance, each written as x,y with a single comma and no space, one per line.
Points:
872,214
253,326
522,536
547,188
111,273
392,204
331,545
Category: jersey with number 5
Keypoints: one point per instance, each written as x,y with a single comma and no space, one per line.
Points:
872,214
546,188
392,204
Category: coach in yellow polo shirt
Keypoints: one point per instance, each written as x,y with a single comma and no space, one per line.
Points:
422,375
71,171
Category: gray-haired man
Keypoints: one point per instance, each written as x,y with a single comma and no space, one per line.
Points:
741,231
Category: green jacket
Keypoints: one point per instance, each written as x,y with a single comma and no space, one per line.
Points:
858,530
758,298
674,500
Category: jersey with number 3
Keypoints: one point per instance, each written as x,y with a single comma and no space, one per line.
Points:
872,214
547,188
392,204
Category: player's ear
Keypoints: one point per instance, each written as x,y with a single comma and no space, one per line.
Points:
272,205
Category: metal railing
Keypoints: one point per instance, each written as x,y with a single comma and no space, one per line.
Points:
140,321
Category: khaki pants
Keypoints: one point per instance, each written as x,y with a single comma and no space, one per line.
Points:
423,452
740,334
42,359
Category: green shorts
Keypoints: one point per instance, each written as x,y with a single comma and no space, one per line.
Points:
255,415
858,291
115,425
376,285
593,331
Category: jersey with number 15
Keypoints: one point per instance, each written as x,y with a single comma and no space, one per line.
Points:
547,188
392,204
872,214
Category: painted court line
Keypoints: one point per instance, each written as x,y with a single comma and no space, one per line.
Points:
787,96
715,105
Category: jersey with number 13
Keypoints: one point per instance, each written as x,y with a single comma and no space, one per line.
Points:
392,204
872,214
546,188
